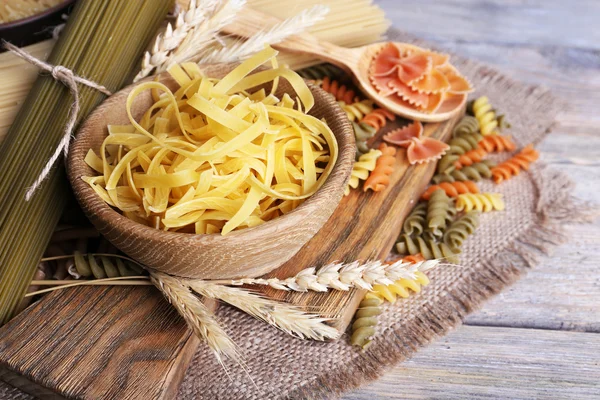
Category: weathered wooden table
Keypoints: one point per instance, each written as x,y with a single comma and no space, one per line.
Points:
541,337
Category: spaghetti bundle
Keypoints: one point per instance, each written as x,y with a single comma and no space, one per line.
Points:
115,34
212,157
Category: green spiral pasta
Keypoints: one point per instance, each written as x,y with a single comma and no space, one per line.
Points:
447,163
468,125
109,267
362,133
363,328
474,172
429,248
460,229
502,122
415,222
320,71
458,147
439,212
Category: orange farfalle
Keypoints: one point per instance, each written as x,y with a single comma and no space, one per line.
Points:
407,94
382,84
470,158
386,61
434,102
513,166
432,82
419,149
418,78
458,83
402,136
414,67
425,149
379,178
452,189
437,59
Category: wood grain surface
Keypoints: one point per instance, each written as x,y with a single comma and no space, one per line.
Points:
91,342
364,226
554,43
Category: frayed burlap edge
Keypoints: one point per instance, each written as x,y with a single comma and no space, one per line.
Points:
434,319
466,294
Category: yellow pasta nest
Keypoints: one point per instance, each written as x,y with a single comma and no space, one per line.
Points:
213,157
483,202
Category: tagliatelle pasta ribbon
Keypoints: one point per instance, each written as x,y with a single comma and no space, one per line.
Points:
212,157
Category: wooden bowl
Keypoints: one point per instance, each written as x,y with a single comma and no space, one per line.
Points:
249,252
35,28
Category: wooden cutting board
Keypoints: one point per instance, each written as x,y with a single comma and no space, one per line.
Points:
128,343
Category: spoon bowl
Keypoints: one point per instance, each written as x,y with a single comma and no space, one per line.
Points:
355,61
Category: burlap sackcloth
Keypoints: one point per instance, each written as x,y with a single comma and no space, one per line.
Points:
504,246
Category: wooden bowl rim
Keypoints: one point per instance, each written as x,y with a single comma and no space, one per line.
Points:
35,17
108,215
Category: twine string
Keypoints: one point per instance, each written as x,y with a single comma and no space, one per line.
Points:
70,80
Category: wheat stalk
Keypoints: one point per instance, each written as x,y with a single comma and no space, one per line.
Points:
197,316
289,27
166,42
289,319
341,276
204,34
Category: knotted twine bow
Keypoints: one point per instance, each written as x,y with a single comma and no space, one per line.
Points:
70,80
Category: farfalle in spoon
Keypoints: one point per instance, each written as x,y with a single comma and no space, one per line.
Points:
417,78
419,148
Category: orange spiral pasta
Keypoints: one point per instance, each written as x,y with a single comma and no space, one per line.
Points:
378,118
470,157
415,258
380,176
339,91
452,189
497,143
513,166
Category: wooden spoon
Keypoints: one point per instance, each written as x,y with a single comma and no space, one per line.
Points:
356,61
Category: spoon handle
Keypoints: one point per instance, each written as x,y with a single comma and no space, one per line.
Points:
249,22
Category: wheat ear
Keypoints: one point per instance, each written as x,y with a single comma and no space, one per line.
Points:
342,276
197,316
244,48
289,319
172,37
204,34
